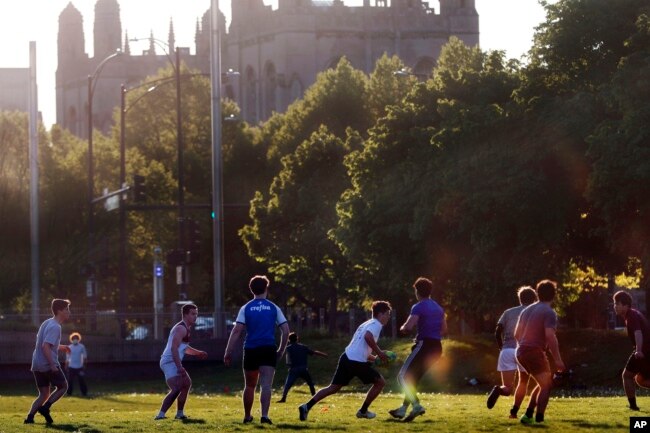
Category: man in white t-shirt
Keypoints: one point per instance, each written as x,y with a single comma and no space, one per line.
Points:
356,362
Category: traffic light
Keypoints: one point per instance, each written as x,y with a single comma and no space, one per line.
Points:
139,191
192,238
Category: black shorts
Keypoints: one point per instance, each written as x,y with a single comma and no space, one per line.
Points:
347,370
638,366
49,378
258,356
424,354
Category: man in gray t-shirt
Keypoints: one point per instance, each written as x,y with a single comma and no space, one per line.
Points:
535,332
45,362
507,364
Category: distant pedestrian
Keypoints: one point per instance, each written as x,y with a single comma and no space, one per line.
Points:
259,318
637,368
428,317
45,362
75,363
535,332
507,364
297,354
356,361
177,378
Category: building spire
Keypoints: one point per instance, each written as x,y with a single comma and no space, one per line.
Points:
152,44
170,38
127,47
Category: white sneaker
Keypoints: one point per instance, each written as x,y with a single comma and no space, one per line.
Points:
368,414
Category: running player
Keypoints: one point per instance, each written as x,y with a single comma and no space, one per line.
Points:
356,362
535,331
637,368
45,362
507,364
429,319
178,345
297,354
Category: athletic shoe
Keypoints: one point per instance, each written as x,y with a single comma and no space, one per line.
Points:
266,420
400,412
528,420
29,420
493,397
635,408
159,417
248,419
303,410
367,414
513,416
181,417
415,412
46,414
282,400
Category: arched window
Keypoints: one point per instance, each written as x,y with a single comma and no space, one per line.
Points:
250,95
295,88
270,87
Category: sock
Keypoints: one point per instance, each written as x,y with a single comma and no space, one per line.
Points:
503,391
539,417
406,403
530,412
632,401
161,414
310,404
179,413
364,408
47,405
30,416
514,410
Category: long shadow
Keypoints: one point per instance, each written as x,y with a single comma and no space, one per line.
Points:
601,425
303,426
72,428
193,421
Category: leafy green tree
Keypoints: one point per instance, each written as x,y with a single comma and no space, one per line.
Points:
290,227
619,185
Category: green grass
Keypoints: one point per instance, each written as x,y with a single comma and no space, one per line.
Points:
216,412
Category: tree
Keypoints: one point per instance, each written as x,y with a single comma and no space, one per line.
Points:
289,233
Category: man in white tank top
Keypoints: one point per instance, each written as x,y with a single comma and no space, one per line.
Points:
177,347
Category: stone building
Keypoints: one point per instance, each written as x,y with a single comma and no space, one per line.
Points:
278,53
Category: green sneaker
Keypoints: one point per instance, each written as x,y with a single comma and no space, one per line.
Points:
528,420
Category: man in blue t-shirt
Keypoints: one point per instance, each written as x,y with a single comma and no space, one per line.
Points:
297,354
429,319
258,318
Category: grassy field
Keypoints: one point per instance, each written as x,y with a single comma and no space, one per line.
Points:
591,401
445,413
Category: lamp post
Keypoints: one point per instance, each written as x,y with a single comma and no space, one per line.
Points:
217,184
92,82
176,66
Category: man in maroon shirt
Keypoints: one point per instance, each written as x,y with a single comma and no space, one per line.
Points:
637,368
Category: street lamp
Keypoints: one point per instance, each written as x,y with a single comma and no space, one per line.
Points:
176,66
217,184
92,82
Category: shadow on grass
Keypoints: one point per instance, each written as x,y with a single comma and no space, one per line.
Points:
72,428
193,421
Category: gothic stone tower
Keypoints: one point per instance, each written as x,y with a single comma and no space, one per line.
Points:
280,52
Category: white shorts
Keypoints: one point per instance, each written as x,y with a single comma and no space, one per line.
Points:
169,369
508,360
